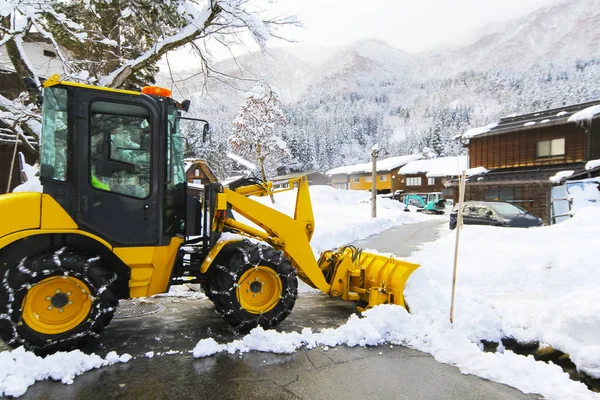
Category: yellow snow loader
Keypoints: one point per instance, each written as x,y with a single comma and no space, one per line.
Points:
115,221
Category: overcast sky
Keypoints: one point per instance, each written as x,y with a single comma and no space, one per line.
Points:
409,25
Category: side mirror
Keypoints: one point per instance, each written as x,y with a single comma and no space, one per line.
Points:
489,214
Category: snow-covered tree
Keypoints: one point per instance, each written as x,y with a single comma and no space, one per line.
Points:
117,43
256,129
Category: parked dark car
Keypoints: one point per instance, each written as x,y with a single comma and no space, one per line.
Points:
496,213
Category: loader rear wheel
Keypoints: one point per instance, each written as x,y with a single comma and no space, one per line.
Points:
253,285
53,301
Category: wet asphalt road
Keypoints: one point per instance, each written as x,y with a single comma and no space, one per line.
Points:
383,372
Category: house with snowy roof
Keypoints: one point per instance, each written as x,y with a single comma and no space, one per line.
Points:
42,56
359,176
434,175
527,155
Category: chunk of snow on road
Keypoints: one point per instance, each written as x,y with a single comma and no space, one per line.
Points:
207,347
149,354
560,176
20,369
562,113
530,123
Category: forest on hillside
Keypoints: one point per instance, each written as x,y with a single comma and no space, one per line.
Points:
336,121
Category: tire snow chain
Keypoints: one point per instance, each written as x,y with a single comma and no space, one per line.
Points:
15,337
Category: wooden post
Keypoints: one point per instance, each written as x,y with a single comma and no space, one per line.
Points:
374,184
459,219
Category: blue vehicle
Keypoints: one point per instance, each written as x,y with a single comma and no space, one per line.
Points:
429,203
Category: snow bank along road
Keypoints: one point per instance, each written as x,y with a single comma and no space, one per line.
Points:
526,284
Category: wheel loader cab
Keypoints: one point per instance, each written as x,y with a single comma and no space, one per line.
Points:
113,160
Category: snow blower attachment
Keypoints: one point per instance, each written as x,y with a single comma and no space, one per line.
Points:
116,221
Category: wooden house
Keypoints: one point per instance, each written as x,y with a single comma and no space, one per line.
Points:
314,178
359,176
434,175
527,154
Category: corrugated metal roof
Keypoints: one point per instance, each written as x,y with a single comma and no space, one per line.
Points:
523,175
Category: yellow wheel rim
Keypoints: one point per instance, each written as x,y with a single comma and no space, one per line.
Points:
259,290
56,305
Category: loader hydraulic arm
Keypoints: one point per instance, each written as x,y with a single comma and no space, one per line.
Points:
292,235
348,273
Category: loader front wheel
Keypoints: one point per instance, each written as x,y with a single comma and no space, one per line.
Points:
53,301
253,285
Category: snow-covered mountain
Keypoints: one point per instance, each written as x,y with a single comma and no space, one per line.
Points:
557,34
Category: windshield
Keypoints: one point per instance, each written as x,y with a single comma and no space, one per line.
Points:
507,210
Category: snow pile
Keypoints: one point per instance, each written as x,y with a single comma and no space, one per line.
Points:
533,285
20,369
392,324
436,167
584,193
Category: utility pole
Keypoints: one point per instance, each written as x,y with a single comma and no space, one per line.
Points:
374,154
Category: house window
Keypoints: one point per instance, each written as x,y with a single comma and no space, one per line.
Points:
413,181
342,186
197,181
368,179
383,178
431,181
502,194
356,179
197,172
551,148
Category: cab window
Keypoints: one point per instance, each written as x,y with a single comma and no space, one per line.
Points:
53,157
120,144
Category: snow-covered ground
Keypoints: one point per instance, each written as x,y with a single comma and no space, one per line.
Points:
530,284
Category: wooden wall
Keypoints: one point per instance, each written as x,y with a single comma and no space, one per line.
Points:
595,141
518,149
